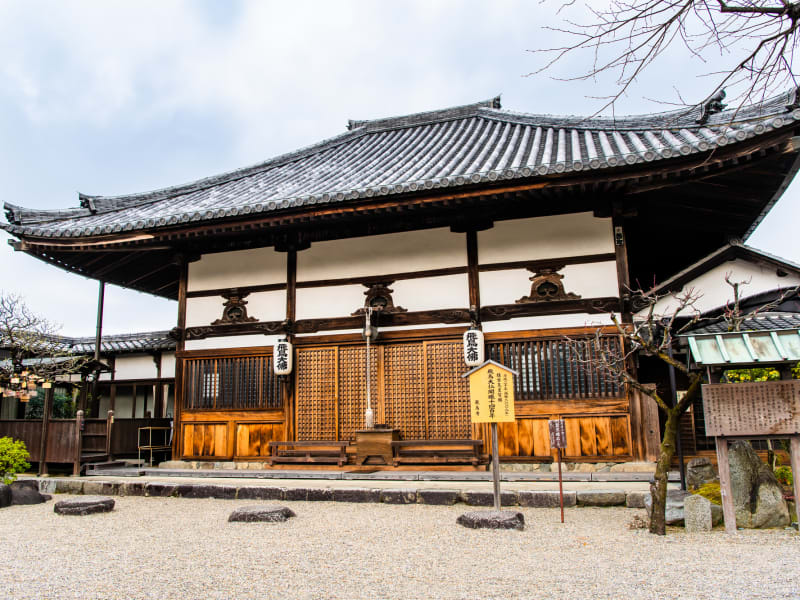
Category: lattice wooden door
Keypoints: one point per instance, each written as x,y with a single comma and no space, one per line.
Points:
416,388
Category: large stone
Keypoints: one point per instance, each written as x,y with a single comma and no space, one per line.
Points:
486,498
697,514
700,471
5,495
198,490
86,505
69,486
492,519
356,495
673,514
601,498
101,488
161,490
635,499
439,497
398,496
267,513
757,495
26,491
634,467
546,498
258,492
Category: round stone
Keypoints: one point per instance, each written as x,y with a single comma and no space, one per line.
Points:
264,513
492,519
85,505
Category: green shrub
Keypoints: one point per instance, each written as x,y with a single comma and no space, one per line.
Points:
13,457
63,407
784,475
711,492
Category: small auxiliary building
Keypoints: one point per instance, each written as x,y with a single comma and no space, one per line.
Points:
533,228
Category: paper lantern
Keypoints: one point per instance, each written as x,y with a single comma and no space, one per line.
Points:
473,347
282,357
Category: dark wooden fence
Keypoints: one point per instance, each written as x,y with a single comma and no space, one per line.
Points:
79,440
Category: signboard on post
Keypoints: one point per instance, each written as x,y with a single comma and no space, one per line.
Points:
491,400
558,440
491,393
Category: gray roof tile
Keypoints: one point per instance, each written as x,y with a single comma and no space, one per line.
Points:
445,148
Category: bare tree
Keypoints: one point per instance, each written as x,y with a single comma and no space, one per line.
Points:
31,349
750,43
653,334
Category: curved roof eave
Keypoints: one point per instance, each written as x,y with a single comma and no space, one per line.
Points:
450,148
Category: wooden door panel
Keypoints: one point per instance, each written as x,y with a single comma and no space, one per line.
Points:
352,388
404,390
252,439
205,440
447,391
316,393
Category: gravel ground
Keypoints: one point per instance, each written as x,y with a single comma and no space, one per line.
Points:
180,548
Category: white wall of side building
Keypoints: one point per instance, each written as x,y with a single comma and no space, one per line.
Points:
264,306
238,341
713,292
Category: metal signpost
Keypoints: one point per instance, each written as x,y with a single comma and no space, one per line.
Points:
558,440
491,395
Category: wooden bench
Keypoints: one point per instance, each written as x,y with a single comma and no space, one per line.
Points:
327,452
438,452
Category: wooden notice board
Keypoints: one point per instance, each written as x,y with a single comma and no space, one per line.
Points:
491,393
758,408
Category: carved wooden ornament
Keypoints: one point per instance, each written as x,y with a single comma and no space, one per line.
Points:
379,297
234,310
546,286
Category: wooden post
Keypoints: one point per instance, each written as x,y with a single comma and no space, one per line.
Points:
76,465
495,468
109,432
560,486
473,275
47,404
794,450
724,468
179,347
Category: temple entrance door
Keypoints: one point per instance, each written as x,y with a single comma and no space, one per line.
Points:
416,388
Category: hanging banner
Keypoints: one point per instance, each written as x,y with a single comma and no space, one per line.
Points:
473,347
282,357
491,393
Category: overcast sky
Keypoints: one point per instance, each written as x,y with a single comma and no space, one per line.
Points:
118,97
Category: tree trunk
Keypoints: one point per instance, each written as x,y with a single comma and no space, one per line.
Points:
658,489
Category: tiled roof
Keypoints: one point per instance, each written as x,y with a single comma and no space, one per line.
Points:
441,149
768,321
122,343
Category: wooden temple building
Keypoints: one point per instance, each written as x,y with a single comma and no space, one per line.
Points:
532,228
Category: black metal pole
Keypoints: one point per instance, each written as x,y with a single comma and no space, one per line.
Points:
673,390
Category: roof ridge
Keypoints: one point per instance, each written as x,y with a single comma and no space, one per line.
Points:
421,118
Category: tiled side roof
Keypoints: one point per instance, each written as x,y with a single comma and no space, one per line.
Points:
123,343
440,149
764,322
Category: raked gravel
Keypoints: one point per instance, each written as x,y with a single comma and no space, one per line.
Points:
181,548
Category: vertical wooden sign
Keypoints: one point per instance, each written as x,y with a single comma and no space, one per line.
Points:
558,440
491,400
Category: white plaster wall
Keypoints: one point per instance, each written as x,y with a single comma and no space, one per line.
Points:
168,365
545,237
715,292
264,306
259,266
594,280
430,293
381,254
549,322
332,301
135,366
240,341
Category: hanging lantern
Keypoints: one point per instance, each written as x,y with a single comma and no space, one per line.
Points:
47,385
15,380
24,397
473,347
282,357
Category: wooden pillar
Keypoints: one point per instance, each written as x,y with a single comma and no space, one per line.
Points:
179,347
287,387
133,402
98,341
84,391
473,276
76,464
724,468
794,450
158,389
46,408
621,252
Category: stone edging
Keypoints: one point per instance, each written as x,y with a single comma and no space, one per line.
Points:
524,498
